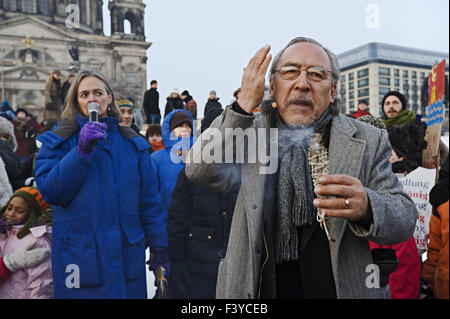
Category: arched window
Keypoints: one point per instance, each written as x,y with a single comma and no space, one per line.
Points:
29,6
126,26
131,21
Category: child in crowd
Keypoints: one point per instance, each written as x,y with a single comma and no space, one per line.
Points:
167,163
26,223
154,137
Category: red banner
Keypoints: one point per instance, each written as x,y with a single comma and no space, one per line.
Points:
435,115
436,83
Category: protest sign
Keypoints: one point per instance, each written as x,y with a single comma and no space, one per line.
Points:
418,185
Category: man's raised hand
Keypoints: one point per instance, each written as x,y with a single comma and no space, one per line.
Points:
253,80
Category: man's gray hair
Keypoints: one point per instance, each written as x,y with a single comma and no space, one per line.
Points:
333,59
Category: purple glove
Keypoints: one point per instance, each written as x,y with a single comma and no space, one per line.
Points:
89,135
160,258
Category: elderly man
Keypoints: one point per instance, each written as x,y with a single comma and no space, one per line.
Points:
277,248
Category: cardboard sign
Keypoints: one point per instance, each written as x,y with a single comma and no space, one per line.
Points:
435,115
418,185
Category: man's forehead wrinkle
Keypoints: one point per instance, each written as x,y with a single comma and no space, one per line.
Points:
295,55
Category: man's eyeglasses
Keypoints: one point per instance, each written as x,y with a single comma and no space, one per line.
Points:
313,73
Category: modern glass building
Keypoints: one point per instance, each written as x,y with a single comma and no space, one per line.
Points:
368,72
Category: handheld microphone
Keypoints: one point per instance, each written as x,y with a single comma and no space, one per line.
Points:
93,108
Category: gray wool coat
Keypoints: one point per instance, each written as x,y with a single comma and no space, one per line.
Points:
356,149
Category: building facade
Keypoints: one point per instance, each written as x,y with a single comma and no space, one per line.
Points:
39,36
370,71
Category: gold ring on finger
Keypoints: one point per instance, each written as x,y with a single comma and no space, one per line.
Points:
347,204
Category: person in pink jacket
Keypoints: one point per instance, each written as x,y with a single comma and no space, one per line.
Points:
22,229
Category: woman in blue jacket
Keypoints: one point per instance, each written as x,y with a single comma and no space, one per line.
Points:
99,180
177,138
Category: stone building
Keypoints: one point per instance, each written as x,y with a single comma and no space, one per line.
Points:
39,36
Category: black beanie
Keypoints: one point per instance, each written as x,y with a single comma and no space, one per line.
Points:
179,118
397,94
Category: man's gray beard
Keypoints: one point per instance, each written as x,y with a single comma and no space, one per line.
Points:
302,122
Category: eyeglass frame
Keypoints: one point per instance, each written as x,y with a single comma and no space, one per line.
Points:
324,69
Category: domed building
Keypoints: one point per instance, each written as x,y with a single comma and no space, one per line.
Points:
39,36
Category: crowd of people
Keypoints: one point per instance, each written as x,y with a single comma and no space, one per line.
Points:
82,200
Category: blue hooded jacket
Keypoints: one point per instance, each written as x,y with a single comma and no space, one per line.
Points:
167,162
102,208
7,111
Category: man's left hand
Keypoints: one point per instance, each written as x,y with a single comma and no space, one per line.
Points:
351,200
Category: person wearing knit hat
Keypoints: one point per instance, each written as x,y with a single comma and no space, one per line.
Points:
362,109
406,133
35,205
154,137
26,129
20,231
179,119
126,110
174,102
190,104
394,107
213,102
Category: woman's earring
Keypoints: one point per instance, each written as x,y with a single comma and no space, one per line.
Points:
274,105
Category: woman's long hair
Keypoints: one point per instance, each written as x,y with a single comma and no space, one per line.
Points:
71,103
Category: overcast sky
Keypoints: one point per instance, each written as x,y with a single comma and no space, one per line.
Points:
203,45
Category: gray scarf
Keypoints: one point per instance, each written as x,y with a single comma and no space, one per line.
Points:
295,185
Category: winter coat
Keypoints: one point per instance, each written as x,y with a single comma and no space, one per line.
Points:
6,111
435,268
210,116
356,149
102,209
31,283
165,168
408,141
151,102
191,106
26,132
405,280
12,165
5,186
360,113
212,104
199,225
52,94
4,272
173,103
64,90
